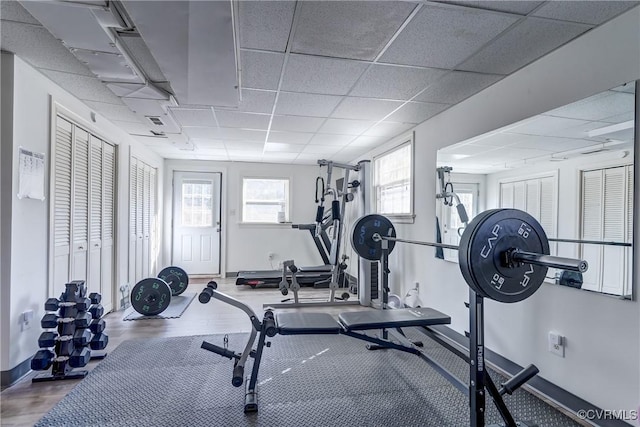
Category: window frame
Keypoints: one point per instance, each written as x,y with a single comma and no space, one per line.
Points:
288,201
401,142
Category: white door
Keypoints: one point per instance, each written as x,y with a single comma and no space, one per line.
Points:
94,277
196,222
80,206
108,209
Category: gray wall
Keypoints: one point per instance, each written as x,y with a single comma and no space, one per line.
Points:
601,363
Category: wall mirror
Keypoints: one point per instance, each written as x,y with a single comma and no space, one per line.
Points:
572,169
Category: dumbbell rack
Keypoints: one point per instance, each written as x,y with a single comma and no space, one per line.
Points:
75,328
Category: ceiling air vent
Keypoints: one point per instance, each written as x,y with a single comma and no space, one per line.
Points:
155,120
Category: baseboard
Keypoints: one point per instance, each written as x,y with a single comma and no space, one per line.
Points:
231,274
539,386
8,378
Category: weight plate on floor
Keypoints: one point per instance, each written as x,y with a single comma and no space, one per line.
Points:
485,241
176,278
362,236
150,296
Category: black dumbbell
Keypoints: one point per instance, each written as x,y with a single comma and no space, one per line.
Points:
80,358
60,366
64,345
99,341
81,304
42,360
97,326
51,320
95,298
81,337
47,339
70,311
96,310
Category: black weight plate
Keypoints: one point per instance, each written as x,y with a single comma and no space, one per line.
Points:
176,278
485,241
362,236
150,296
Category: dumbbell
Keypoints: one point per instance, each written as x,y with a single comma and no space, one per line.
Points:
97,325
66,325
42,360
80,304
99,341
95,298
81,337
96,310
80,357
151,296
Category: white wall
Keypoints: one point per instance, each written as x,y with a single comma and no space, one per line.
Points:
27,286
601,363
247,246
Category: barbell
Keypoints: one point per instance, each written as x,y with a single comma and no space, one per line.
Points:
151,296
503,253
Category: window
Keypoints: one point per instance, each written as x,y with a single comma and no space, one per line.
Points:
264,198
197,203
468,193
607,214
393,181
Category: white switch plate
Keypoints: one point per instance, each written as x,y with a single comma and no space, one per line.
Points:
556,343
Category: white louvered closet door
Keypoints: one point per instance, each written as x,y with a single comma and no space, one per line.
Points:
62,205
506,195
80,205
133,219
108,225
615,220
592,227
139,214
153,222
94,278
146,220
629,232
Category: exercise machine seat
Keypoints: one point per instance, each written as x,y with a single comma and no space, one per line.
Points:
316,269
396,318
307,324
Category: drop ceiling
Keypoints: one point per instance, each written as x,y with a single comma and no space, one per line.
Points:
600,123
288,82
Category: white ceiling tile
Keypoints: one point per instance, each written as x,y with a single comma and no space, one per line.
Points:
321,149
345,127
588,12
113,112
296,123
395,82
388,129
544,125
313,74
620,118
261,70
280,147
365,108
257,101
417,112
13,11
367,141
83,87
214,144
265,24
145,107
241,134
348,29
233,146
328,139
627,87
444,37
308,158
232,119
280,157
108,66
124,89
39,48
349,154
290,137
203,150
194,116
200,132
597,107
521,7
457,86
523,44
305,104
152,141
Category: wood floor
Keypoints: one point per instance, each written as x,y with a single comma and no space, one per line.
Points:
24,403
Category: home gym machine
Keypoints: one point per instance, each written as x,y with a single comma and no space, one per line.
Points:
345,191
503,256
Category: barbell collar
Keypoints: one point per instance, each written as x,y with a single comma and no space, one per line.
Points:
550,261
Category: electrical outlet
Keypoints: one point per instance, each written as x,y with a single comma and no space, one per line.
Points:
26,319
271,256
556,343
